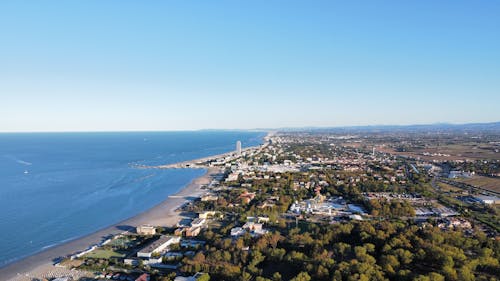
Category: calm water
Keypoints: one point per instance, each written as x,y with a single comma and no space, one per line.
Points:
58,186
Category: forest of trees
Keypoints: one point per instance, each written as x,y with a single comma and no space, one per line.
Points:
387,246
368,250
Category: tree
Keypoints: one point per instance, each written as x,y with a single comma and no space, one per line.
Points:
303,276
204,277
245,276
390,263
433,276
274,239
466,274
276,276
199,258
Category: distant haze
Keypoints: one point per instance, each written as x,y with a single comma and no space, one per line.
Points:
181,65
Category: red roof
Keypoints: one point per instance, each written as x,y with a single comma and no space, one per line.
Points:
143,277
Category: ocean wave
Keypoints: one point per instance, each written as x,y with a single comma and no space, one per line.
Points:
69,239
49,246
143,178
24,162
17,160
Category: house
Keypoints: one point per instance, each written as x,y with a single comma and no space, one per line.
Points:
207,214
246,197
252,226
209,197
199,222
237,231
143,277
255,229
179,231
455,223
232,177
133,262
146,230
193,231
158,246
262,219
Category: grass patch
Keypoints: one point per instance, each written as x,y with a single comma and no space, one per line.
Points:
449,188
104,254
483,182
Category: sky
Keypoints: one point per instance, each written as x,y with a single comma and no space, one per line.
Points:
187,65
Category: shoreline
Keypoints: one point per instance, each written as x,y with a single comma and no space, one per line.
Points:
41,263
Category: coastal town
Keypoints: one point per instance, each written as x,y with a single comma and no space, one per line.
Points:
318,205
283,140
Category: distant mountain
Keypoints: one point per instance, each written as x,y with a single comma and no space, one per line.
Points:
438,127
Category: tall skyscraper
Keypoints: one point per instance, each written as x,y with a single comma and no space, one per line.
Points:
238,147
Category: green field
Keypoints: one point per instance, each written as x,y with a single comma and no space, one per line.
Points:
123,242
104,254
449,188
492,184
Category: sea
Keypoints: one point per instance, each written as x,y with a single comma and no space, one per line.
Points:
56,187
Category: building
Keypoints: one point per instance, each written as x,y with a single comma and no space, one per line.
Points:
199,222
133,262
209,197
460,174
487,200
146,230
143,277
262,219
158,246
356,217
180,231
187,243
189,278
193,231
246,197
237,231
207,214
238,147
251,226
232,177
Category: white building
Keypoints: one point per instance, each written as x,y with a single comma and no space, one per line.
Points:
199,222
189,278
237,231
460,174
158,246
146,230
238,147
488,200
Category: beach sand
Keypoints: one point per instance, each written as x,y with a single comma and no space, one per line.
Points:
41,266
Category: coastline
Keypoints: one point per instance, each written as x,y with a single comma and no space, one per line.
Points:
40,265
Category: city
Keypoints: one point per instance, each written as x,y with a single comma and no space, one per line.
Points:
262,140
335,206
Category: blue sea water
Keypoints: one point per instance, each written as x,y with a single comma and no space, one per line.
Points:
55,187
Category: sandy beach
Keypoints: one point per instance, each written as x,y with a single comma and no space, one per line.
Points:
41,266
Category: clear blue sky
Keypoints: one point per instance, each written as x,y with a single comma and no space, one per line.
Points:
174,65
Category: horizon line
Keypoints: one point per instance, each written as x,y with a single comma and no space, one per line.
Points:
253,129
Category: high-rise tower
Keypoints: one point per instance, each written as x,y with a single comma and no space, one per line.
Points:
238,147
